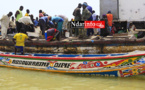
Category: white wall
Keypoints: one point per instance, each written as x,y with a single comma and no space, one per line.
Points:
132,10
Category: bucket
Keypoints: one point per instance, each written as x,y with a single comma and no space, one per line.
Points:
135,35
67,34
45,35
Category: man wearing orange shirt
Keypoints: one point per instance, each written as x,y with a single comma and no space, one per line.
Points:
110,19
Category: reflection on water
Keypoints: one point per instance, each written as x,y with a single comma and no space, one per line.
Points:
15,79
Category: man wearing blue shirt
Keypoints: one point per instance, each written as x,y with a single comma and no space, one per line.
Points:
36,22
43,22
58,21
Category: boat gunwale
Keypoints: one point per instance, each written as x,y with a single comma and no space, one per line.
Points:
71,58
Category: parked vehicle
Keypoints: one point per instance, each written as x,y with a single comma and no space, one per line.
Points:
125,12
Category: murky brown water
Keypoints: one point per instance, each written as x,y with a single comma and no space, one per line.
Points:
18,79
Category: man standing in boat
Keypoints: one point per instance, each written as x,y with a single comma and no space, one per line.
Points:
43,23
27,12
18,15
59,21
110,19
77,17
86,14
5,20
19,39
90,31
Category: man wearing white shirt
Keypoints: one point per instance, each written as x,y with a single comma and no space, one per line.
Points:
94,19
94,15
5,20
26,21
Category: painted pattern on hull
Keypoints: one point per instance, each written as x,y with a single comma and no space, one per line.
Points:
121,67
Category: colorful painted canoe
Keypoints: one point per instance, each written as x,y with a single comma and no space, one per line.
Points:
117,65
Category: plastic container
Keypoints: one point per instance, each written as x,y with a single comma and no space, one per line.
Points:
45,35
135,35
67,34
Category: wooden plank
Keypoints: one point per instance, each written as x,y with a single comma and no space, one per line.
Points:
139,29
120,35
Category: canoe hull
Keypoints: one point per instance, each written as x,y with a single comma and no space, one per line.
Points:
122,72
117,67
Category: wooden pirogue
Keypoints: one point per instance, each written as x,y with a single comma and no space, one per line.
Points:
117,65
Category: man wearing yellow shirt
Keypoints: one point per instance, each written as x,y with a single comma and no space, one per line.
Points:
27,12
20,38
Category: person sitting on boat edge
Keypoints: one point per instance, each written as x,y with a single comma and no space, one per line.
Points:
19,39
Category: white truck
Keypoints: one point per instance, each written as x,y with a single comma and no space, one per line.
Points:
124,12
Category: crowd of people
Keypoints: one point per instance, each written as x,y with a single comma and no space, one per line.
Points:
59,22
52,27
88,14
29,23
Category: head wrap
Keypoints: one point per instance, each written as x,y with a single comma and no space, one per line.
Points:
109,11
104,14
85,4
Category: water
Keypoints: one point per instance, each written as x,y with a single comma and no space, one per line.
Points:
18,79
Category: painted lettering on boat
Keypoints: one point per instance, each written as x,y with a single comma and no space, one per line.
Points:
45,64
62,65
32,63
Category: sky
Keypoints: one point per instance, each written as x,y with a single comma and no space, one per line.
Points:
51,7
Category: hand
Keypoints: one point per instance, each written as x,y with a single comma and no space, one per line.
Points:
14,42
